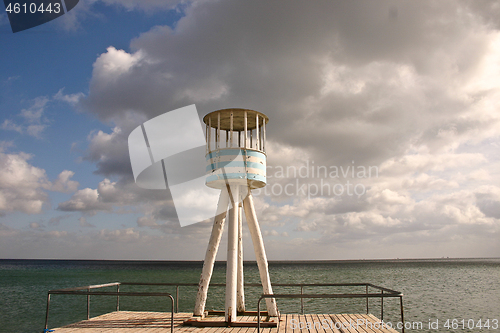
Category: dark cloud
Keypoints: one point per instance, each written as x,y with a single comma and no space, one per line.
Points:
402,85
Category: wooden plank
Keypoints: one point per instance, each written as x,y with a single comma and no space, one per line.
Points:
315,325
330,323
159,322
246,329
363,326
319,326
345,324
294,328
282,325
386,329
308,323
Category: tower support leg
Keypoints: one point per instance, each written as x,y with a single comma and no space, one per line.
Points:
260,252
241,281
213,246
232,256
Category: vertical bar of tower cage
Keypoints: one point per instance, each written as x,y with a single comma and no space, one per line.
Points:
206,138
257,131
209,133
217,138
245,127
231,129
264,134
251,139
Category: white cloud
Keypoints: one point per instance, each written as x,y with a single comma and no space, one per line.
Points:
146,221
147,5
84,223
113,64
54,221
64,184
21,184
415,94
71,99
156,205
85,200
23,187
34,123
11,126
121,235
110,150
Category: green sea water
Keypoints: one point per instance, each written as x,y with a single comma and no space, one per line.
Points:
437,291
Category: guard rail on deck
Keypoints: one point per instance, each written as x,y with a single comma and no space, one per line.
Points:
381,295
86,291
384,292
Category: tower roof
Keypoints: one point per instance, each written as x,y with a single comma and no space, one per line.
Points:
238,119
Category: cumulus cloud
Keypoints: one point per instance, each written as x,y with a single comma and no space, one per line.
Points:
146,5
84,223
85,200
122,235
89,245
110,150
64,184
21,184
23,187
35,225
409,87
32,120
392,71
34,123
71,99
54,221
156,205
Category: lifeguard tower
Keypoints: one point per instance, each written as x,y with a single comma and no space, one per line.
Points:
236,164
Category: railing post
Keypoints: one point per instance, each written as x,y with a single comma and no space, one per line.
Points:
172,315
177,298
258,314
88,304
47,313
118,298
301,299
382,306
367,311
402,313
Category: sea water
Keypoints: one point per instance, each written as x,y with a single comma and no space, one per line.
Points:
440,295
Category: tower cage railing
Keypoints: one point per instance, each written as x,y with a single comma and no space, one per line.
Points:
235,128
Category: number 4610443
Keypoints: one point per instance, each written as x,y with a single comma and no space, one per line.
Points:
33,8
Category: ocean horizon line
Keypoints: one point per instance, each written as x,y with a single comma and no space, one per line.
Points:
271,262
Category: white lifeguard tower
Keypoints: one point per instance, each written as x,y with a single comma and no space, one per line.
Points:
236,164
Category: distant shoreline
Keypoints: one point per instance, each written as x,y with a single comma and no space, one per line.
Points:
249,262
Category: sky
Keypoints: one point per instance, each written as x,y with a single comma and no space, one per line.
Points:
383,139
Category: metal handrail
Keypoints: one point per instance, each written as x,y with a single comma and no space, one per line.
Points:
86,291
301,285
384,292
381,295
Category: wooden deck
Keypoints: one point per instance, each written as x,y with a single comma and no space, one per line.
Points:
159,322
